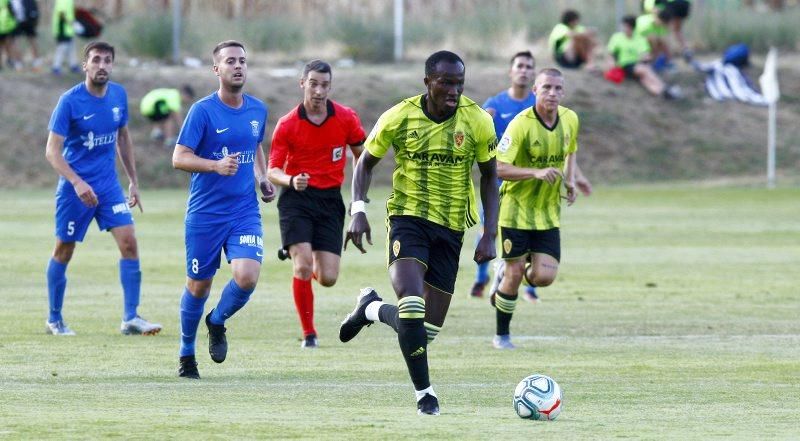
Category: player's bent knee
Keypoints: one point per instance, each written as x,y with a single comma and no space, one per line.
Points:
63,252
327,281
543,281
199,288
246,282
303,272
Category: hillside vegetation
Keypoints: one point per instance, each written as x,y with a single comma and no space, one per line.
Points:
626,135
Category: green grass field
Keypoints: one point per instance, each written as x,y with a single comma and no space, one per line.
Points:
675,316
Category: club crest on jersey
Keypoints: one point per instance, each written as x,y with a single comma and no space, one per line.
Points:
116,113
396,248
566,138
458,137
254,127
507,246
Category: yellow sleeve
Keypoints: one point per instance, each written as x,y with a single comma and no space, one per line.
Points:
509,146
486,138
573,142
380,138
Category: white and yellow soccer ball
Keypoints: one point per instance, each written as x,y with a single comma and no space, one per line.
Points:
538,397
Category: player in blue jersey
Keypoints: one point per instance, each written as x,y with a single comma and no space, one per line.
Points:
504,107
87,128
220,144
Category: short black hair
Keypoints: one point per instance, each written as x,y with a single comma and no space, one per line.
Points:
526,54
569,16
187,90
227,43
317,66
437,57
100,46
665,15
629,20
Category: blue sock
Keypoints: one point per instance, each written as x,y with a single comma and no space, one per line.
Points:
232,300
131,278
56,286
483,273
191,313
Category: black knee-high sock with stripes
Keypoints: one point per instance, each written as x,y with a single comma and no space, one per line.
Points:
504,304
413,339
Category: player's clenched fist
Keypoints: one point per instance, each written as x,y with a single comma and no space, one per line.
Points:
549,174
228,165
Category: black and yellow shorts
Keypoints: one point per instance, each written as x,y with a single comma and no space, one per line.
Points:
435,246
517,243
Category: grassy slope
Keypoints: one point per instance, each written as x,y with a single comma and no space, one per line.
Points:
674,316
626,135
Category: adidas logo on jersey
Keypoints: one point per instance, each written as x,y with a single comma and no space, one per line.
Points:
413,135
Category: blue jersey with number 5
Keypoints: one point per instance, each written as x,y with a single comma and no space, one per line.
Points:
89,126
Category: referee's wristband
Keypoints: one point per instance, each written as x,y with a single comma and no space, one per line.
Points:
291,181
358,207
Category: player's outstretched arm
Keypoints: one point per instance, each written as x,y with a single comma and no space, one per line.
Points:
183,158
125,152
53,153
486,251
359,225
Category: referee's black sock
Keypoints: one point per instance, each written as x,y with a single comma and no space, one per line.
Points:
505,305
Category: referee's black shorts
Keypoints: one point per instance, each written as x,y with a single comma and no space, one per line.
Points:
314,216
435,246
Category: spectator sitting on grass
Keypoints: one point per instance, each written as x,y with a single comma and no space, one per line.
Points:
631,53
572,43
653,27
679,10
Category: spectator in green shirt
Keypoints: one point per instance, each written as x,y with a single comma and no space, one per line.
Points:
631,53
573,44
679,11
64,33
653,27
7,25
163,108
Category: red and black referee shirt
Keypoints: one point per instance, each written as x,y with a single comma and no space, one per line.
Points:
300,146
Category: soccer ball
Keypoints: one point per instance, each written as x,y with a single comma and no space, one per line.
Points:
537,397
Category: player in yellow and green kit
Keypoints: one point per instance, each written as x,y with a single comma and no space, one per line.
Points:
535,158
436,138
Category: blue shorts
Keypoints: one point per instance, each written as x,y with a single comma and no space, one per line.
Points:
73,218
240,238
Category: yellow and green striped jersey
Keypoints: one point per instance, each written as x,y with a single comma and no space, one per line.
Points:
533,204
432,178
